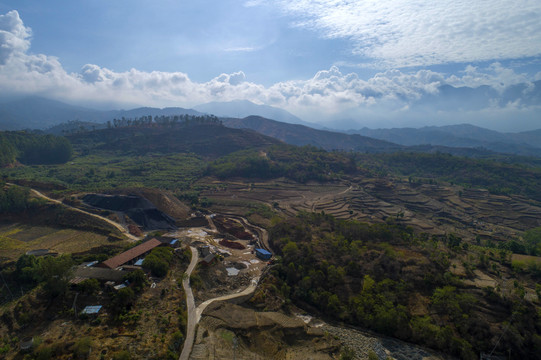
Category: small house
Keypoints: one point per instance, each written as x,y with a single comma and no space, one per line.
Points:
263,254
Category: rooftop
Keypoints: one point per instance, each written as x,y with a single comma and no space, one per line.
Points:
131,254
263,251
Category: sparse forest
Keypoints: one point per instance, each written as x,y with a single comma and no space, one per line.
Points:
374,276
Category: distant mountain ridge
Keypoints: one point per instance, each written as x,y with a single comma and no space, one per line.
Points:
244,108
301,135
40,113
526,143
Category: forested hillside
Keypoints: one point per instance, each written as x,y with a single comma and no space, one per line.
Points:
389,279
33,149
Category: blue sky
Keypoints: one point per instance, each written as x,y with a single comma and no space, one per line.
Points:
336,62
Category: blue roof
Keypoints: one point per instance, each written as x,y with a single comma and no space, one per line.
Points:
139,262
174,241
263,251
92,309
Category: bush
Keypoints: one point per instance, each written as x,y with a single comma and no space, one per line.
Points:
158,261
157,266
123,299
122,355
137,279
82,347
89,286
372,355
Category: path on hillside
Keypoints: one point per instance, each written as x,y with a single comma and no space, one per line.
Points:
263,234
190,304
111,222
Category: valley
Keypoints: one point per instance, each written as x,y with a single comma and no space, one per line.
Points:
400,255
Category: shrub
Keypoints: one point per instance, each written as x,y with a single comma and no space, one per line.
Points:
157,266
122,355
82,347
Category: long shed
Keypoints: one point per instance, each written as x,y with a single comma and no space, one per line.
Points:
130,254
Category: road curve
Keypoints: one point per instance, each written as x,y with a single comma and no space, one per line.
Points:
190,304
115,224
249,290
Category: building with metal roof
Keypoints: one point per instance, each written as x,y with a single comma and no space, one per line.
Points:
130,254
85,272
263,254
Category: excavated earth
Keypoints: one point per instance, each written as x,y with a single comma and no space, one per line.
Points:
137,208
229,331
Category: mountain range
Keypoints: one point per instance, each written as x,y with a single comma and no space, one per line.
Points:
464,139
526,143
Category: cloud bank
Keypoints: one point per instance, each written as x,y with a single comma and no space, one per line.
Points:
494,97
401,33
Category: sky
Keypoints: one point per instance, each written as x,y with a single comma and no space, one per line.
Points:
339,63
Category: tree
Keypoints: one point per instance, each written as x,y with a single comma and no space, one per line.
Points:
123,299
89,286
25,268
157,266
137,279
54,273
533,241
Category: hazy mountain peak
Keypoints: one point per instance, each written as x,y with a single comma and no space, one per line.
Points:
244,108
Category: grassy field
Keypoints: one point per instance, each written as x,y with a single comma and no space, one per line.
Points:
17,239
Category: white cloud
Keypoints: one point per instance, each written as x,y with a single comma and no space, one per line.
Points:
388,98
401,33
14,36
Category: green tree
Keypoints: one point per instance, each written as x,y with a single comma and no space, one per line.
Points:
54,273
25,268
137,279
157,266
123,299
532,238
89,286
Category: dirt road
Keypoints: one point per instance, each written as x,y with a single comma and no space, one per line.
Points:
193,319
115,224
248,291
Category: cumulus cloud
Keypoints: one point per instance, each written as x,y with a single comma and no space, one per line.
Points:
389,98
14,36
400,33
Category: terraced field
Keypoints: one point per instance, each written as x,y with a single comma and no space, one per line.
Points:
17,239
435,209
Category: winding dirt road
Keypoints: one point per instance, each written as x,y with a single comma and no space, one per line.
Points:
109,221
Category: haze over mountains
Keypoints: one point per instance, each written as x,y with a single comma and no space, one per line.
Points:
463,139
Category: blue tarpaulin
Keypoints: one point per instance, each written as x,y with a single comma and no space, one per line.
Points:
91,309
139,262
